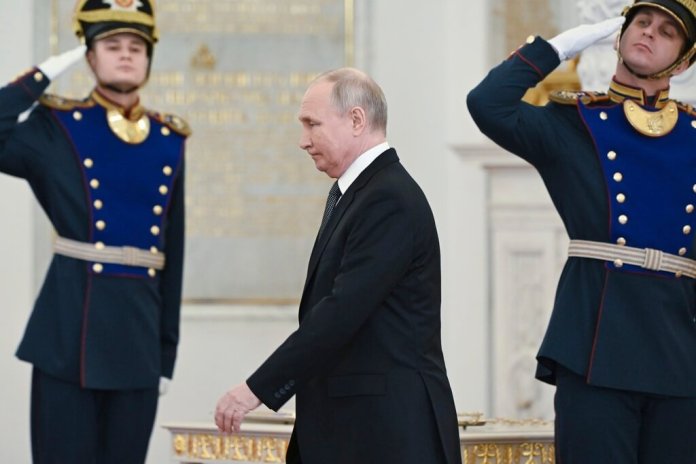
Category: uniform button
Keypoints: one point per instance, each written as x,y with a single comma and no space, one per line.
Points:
94,183
157,209
282,391
623,219
99,245
530,39
678,274
618,177
686,230
277,395
165,131
287,386
101,225
693,124
611,155
163,189
618,263
38,76
154,250
689,209
682,251
98,204
694,187
151,272
88,163
603,116
77,116
167,170
621,241
621,198
98,268
292,383
154,230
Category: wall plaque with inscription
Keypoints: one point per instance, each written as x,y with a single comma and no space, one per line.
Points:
236,70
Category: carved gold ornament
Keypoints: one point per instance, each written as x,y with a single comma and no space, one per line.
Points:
651,123
132,132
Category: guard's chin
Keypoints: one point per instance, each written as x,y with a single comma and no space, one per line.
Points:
124,87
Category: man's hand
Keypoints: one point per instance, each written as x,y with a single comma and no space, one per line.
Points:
571,42
55,65
233,406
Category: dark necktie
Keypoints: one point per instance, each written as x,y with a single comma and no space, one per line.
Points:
334,195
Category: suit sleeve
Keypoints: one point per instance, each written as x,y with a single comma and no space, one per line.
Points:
171,277
377,254
498,110
20,141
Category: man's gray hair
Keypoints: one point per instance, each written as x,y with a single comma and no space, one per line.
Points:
352,88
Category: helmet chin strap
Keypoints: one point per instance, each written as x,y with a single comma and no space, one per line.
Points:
660,74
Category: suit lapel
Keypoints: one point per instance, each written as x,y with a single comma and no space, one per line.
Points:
386,158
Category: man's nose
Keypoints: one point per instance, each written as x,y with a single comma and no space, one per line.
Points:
304,141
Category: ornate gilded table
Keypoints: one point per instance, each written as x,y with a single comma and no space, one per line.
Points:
264,438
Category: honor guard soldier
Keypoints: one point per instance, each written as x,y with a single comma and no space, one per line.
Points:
110,176
620,168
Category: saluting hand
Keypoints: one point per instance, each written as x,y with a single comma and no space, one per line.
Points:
55,65
233,406
573,41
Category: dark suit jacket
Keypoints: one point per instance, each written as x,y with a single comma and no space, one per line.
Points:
366,362
627,328
119,328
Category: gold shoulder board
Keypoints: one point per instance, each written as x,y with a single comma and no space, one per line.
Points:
174,122
60,103
571,97
686,108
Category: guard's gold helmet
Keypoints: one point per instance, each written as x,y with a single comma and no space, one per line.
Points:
684,13
96,19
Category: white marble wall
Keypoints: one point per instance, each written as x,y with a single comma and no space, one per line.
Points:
16,254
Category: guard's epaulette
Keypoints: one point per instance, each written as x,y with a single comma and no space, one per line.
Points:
175,123
571,97
686,107
60,103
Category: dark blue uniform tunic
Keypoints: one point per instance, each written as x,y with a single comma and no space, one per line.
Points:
624,327
102,326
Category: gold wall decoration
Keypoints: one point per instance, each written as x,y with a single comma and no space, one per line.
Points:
203,58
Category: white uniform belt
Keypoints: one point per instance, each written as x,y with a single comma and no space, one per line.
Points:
129,256
647,258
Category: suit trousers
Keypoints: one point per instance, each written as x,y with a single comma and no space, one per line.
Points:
74,425
603,425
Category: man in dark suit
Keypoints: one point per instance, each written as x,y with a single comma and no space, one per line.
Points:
619,167
366,362
110,176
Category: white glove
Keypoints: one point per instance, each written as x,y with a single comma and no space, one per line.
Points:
571,42
55,65
163,386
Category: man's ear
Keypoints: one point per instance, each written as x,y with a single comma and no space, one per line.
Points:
359,120
90,58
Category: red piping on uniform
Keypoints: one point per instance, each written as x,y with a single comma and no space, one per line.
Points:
83,343
596,335
538,71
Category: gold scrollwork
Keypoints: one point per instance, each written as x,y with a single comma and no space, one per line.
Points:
211,447
518,453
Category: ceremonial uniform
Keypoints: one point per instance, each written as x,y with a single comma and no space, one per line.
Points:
105,325
619,168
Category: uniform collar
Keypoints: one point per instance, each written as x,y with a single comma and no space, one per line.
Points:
133,114
619,92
